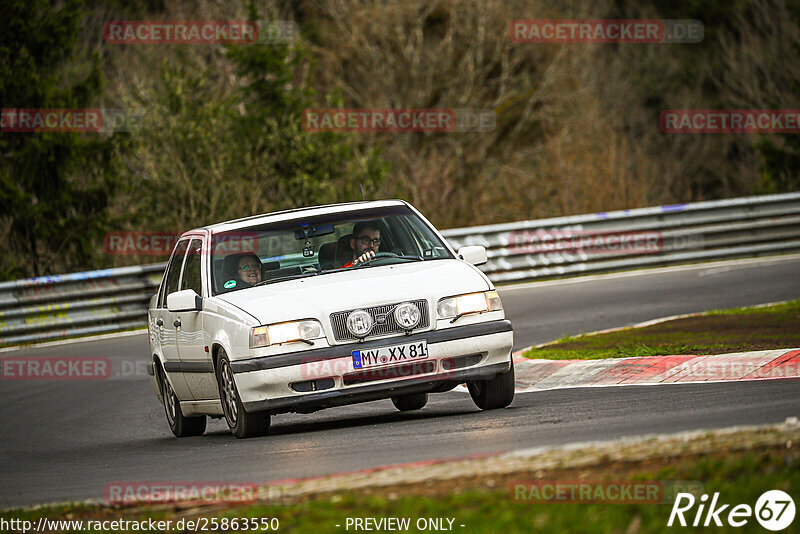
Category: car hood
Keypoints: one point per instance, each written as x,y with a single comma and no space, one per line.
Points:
319,296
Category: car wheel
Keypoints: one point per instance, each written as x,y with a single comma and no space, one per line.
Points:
180,425
497,392
412,401
241,423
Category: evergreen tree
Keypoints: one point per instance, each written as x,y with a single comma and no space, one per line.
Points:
54,186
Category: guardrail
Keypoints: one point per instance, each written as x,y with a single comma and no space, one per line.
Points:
55,307
644,237
78,304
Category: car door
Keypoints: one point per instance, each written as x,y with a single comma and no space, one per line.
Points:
166,324
198,370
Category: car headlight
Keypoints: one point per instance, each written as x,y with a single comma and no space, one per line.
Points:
470,303
359,323
407,315
292,331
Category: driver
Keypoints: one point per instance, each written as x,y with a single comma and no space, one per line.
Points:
365,242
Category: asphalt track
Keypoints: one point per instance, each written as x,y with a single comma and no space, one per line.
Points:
62,440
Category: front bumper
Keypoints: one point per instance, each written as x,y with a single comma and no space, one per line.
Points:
455,355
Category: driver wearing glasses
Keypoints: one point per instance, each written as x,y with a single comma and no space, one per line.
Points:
365,242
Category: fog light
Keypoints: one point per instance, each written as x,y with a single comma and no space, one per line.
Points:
359,323
407,315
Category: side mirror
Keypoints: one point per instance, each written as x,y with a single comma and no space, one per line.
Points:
474,254
186,300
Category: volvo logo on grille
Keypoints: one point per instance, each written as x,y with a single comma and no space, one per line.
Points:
380,318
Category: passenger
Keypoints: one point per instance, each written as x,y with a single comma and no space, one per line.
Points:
365,242
241,270
249,269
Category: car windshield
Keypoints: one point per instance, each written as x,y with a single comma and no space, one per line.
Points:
274,252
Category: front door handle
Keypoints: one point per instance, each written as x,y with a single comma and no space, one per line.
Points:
177,323
159,322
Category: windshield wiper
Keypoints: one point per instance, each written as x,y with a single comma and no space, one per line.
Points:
284,278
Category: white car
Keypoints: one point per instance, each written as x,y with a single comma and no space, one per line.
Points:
291,312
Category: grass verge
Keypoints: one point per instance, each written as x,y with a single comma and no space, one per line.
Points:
717,332
739,465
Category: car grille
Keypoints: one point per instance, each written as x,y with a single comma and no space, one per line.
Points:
390,326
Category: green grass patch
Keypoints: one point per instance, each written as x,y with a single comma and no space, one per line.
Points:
717,332
739,479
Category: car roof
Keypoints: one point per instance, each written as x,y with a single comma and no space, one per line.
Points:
287,215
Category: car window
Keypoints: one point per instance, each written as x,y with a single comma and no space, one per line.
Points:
320,245
191,278
172,276
422,239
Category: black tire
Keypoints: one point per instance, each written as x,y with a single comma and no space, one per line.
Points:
180,425
495,393
412,401
241,423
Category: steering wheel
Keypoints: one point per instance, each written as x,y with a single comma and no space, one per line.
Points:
377,256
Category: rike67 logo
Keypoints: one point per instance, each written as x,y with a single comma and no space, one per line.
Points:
774,510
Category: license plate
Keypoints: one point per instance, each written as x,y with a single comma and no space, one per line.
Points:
407,352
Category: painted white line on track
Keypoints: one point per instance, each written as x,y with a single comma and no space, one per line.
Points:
531,389
685,436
